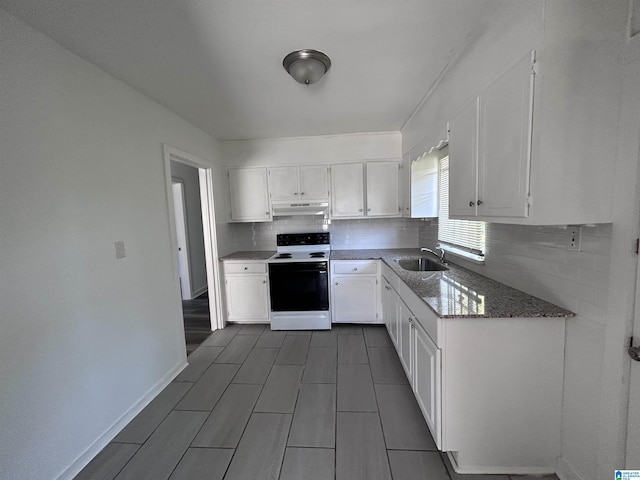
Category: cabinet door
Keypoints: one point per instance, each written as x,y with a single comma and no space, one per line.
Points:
347,190
383,199
283,184
249,195
427,379
504,143
390,311
463,161
314,183
247,297
355,298
406,331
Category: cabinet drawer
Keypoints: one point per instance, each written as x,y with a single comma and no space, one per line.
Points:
245,267
362,267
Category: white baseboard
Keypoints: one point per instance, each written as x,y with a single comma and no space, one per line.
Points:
103,440
482,470
199,291
565,471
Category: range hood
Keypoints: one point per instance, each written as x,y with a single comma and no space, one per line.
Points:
308,208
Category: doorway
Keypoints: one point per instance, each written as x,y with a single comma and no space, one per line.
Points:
179,205
189,183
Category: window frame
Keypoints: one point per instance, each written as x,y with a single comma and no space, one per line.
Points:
473,245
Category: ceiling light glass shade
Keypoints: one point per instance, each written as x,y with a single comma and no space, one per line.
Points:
306,66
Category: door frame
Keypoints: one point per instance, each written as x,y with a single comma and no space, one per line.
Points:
205,174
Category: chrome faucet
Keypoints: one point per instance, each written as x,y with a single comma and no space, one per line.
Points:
440,256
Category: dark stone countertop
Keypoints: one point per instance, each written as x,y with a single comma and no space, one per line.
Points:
247,255
459,292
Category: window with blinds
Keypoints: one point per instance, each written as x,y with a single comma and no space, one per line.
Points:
461,237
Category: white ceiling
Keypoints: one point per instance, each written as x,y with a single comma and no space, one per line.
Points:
218,63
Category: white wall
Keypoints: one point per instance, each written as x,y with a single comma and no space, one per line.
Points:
320,150
83,336
598,282
195,236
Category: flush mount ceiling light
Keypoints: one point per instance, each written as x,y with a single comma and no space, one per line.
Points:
306,66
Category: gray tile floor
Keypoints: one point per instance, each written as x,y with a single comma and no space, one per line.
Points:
255,404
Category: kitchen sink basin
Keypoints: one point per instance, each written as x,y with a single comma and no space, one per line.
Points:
420,264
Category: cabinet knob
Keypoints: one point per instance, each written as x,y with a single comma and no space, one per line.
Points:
355,269
479,202
360,210
336,283
246,268
264,281
471,204
302,193
368,209
295,193
266,213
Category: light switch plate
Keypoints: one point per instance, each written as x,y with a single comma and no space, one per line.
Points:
120,253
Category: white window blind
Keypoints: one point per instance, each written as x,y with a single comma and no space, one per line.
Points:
462,237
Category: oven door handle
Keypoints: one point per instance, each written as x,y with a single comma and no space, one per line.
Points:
297,270
304,271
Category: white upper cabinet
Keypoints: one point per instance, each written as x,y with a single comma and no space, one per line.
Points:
314,182
463,161
283,183
504,142
490,148
303,183
375,193
249,195
383,199
347,190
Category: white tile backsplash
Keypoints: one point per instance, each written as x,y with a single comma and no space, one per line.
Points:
540,261
345,234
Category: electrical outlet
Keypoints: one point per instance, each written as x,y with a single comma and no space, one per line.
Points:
575,238
120,253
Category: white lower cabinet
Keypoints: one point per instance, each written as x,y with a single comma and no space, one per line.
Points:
426,359
389,306
355,291
247,291
405,320
490,389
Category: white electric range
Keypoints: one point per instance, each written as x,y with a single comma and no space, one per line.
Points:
299,282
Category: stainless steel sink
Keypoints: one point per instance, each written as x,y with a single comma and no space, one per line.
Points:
420,265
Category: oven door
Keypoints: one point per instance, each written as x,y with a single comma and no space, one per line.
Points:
299,286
